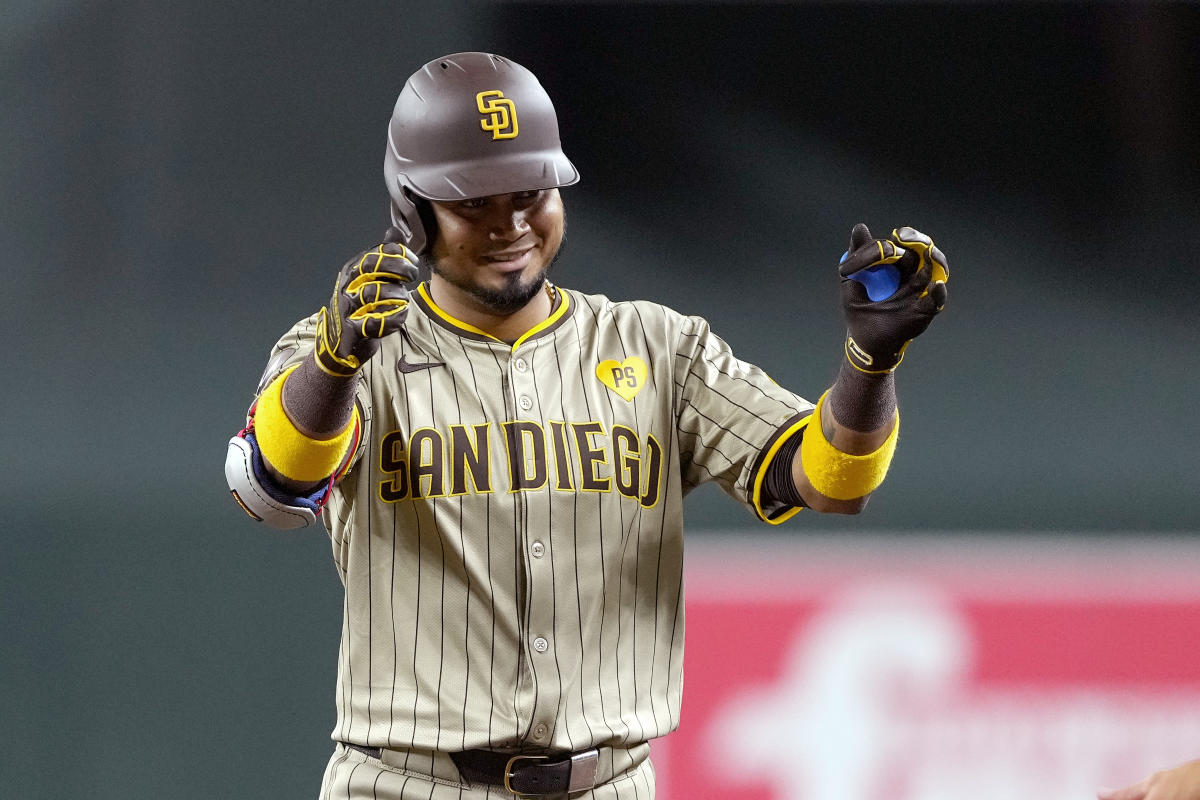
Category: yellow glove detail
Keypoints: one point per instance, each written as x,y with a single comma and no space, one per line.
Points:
370,301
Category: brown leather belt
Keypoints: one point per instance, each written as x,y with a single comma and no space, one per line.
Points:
527,775
530,775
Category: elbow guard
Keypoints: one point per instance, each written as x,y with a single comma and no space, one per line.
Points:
255,492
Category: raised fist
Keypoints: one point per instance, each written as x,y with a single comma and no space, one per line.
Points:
370,301
879,332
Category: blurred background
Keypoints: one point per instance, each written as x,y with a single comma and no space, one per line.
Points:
183,180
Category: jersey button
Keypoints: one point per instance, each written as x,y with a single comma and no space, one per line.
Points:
520,365
538,549
539,731
541,645
525,403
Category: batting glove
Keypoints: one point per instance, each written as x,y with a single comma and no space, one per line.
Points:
877,333
370,301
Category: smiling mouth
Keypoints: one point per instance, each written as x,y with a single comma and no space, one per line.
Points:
510,261
508,255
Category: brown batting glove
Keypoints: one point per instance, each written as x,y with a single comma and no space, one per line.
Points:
877,333
370,301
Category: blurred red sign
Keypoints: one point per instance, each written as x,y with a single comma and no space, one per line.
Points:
913,669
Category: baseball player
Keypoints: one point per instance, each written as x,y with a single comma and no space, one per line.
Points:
501,462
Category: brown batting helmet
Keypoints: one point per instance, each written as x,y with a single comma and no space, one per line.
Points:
469,125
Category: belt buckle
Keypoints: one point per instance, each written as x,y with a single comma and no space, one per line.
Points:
583,770
508,770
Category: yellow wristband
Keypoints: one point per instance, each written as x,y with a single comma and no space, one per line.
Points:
293,454
840,475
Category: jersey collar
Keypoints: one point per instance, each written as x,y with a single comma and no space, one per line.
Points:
563,309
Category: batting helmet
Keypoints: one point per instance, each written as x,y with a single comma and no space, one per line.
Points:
469,125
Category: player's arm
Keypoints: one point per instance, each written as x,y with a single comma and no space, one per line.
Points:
305,418
304,424
848,445
1178,783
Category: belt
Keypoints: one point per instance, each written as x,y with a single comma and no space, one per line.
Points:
521,774
553,773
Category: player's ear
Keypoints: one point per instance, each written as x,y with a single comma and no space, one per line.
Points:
428,220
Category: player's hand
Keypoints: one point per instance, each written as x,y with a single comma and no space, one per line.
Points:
1179,783
370,301
879,332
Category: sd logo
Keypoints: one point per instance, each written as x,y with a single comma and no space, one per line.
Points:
500,115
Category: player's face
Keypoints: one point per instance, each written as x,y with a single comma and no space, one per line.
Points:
494,252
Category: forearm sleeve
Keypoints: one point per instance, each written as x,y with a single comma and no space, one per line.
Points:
297,452
862,401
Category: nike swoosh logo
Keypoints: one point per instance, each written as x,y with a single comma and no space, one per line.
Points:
406,366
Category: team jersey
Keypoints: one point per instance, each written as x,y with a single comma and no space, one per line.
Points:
510,534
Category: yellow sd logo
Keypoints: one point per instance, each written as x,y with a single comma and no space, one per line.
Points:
500,115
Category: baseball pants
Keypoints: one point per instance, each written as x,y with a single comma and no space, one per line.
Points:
353,775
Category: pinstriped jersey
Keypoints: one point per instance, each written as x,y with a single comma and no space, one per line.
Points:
510,536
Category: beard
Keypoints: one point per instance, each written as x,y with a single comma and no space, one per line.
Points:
514,295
